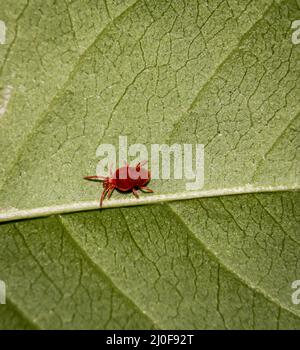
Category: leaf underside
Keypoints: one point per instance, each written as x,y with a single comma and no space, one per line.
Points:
74,75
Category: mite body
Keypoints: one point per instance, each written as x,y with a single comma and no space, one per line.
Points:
125,179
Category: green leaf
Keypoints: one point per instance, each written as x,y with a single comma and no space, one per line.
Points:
225,262
66,100
76,75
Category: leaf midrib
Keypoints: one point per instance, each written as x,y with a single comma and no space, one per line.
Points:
13,214
104,274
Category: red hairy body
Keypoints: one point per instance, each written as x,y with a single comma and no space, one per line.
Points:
127,178
124,179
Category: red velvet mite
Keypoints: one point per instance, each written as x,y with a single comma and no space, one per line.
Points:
125,179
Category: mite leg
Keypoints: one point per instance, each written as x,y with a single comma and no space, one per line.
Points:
103,196
135,193
110,191
95,177
146,189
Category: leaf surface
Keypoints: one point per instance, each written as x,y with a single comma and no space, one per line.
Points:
226,76
73,76
225,262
